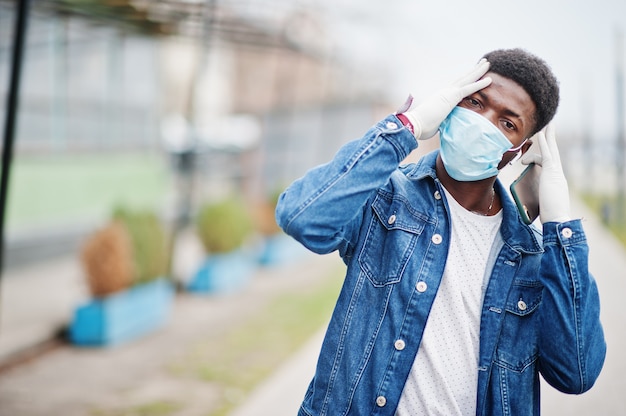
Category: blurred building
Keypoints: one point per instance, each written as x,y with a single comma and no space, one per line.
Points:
252,89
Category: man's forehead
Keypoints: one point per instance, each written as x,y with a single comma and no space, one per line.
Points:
510,97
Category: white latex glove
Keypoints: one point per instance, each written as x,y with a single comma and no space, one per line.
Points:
427,116
553,191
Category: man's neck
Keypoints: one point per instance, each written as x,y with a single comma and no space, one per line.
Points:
475,196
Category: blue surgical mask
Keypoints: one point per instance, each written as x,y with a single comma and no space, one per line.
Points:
471,146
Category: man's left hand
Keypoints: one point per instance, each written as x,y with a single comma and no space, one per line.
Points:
554,204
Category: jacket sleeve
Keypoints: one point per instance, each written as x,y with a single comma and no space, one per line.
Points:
572,346
323,209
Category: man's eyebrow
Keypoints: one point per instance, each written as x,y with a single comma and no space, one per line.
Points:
507,111
512,114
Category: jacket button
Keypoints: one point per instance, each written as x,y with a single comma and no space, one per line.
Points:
566,232
399,344
421,286
437,239
522,305
381,401
391,219
437,195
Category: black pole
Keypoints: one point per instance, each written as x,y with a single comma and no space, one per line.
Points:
19,35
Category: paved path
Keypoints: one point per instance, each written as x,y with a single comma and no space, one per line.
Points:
282,393
37,301
607,261
72,382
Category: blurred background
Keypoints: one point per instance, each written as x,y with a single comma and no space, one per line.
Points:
168,108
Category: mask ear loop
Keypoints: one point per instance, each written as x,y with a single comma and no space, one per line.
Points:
518,150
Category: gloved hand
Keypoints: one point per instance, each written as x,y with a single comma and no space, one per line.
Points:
427,116
553,191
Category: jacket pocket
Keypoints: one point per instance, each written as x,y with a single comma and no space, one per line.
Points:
517,348
391,238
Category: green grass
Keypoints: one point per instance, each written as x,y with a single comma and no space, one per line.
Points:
245,356
49,190
605,207
161,408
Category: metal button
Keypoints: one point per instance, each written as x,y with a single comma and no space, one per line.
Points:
522,305
566,232
437,195
399,344
381,401
437,239
391,125
391,219
421,286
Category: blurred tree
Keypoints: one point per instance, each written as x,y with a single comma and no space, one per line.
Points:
125,13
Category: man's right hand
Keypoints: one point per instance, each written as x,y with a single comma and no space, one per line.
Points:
427,116
553,190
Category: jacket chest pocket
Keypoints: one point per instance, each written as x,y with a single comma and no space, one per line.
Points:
517,348
390,240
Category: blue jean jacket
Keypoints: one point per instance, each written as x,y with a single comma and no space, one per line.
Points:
391,226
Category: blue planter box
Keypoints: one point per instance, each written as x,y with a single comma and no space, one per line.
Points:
122,316
222,273
280,249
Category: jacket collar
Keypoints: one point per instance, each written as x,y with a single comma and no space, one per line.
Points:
519,236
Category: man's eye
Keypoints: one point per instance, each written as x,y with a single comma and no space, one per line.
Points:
471,102
508,125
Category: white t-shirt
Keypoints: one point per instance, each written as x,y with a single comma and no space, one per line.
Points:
444,377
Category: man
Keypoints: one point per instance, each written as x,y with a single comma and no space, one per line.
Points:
451,304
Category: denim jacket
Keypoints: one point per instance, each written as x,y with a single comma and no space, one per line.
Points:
391,226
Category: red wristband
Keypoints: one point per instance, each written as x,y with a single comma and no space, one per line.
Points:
405,121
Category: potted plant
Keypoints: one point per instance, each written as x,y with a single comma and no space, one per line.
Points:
276,246
223,227
124,263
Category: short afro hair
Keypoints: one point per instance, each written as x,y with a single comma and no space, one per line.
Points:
532,74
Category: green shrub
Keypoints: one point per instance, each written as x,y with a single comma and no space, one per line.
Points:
148,242
223,226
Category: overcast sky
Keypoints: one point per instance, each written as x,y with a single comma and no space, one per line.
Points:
418,46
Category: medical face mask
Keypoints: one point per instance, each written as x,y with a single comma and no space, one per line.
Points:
471,146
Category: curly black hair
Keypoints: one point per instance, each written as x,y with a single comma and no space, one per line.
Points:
532,74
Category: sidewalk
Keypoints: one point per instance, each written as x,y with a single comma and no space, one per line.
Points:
284,390
74,381
37,301
607,262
